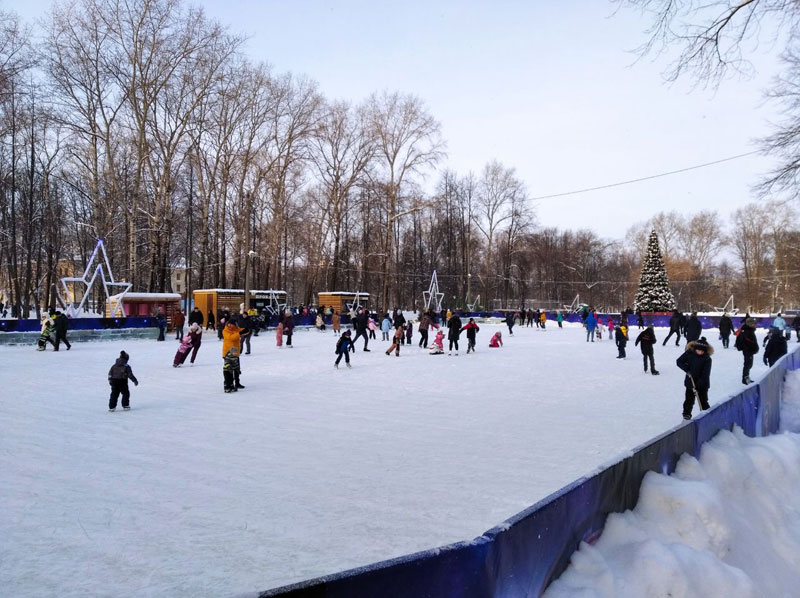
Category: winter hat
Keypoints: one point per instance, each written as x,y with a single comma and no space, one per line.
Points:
702,344
750,322
194,327
347,333
124,355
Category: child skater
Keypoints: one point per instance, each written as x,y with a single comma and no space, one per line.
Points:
231,370
343,347
396,341
372,326
320,323
611,328
437,346
472,330
46,335
622,339
118,377
336,322
409,332
386,326
696,362
496,341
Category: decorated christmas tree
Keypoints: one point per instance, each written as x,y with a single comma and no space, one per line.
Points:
654,293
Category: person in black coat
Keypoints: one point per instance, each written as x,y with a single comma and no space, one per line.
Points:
211,321
621,339
398,319
747,343
639,319
693,328
161,321
454,331
118,377
60,322
696,362
509,322
646,340
725,329
361,324
196,316
674,328
776,347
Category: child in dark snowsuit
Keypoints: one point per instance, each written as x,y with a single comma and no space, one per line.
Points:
231,370
118,377
622,339
776,347
696,362
472,330
647,338
409,332
343,347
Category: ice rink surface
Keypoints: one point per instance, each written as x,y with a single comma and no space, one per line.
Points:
309,470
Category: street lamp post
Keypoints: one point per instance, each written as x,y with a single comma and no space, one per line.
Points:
247,257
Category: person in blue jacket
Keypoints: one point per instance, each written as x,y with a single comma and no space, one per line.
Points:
696,362
386,327
591,325
343,347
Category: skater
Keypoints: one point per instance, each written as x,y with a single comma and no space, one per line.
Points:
319,323
343,347
231,370
591,326
118,377
60,324
693,328
509,323
621,337
399,334
386,326
796,326
425,323
646,340
161,322
231,337
288,328
639,319
191,343
279,335
361,324
472,330
543,320
559,319
437,346
725,329
336,322
371,326
46,335
674,327
196,317
776,347
210,322
696,362
399,318
178,320
224,316
246,325
610,324
409,332
778,322
454,330
496,341
747,343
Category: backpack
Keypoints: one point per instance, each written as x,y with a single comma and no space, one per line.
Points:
118,371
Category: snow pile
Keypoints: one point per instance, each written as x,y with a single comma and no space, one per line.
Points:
726,525
790,410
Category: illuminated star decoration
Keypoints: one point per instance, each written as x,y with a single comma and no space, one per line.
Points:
115,305
276,306
356,303
471,306
432,295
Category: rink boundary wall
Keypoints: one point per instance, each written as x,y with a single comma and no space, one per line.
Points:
521,556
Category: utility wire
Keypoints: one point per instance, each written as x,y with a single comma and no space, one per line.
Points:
646,178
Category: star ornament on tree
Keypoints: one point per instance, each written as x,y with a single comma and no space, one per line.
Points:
432,295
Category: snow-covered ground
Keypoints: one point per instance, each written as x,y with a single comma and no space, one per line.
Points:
309,470
726,525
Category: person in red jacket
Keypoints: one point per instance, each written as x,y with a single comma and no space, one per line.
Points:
178,320
497,340
472,330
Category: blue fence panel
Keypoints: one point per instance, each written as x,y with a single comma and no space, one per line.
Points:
80,324
524,554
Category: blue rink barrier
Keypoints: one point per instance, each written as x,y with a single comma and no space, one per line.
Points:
80,324
523,555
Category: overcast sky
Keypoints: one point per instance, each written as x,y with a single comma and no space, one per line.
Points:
549,88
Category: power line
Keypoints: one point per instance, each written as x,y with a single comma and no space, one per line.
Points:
646,178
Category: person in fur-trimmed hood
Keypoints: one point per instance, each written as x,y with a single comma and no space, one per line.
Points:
696,362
